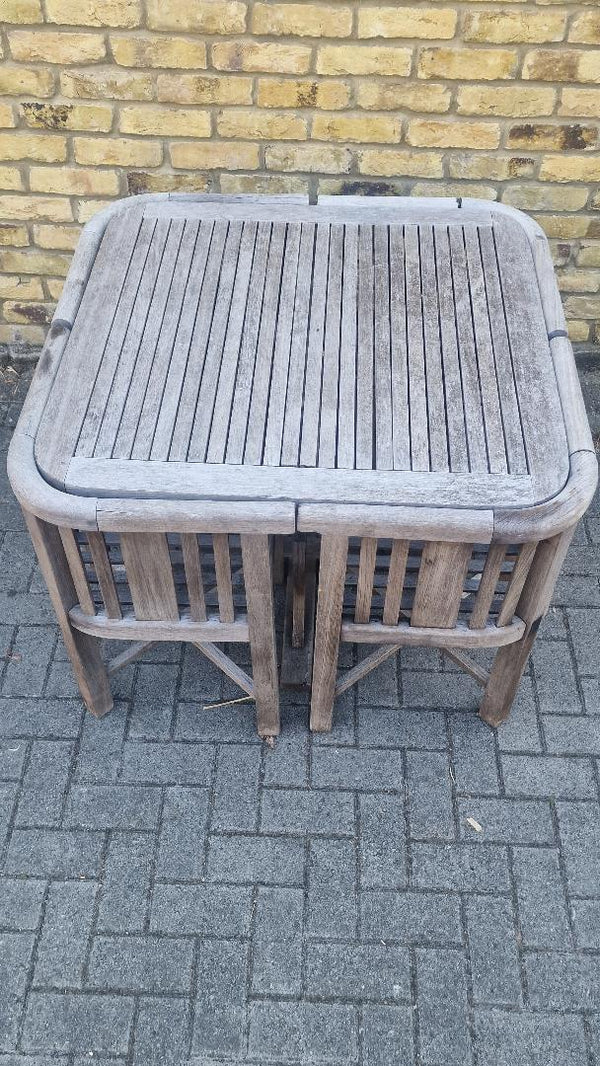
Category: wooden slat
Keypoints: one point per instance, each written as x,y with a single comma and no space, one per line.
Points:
417,397
399,353
77,569
517,581
258,579
395,582
440,584
150,576
382,370
434,375
104,574
366,570
264,351
281,351
332,572
193,576
227,665
487,585
346,453
331,352
458,456
364,352
223,576
290,450
473,413
309,445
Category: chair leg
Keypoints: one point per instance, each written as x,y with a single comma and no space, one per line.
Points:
332,575
534,601
258,579
83,650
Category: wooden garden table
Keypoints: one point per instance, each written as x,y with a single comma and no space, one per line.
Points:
391,378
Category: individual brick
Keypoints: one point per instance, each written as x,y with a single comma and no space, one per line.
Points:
54,852
518,101
25,11
542,905
29,312
43,208
420,689
354,59
396,728
467,64
77,1022
301,1031
45,783
21,904
302,20
257,56
42,147
383,96
26,81
560,65
514,27
22,289
100,13
586,923
443,1024
261,125
246,859
26,671
311,158
429,796
149,121
47,718
325,94
112,807
494,960
205,89
387,1035
97,117
235,793
157,725
277,948
585,28
573,735
539,137
126,883
460,867
12,756
382,842
585,625
358,971
182,834
391,21
214,16
425,918
15,955
557,981
220,1015
161,1031
60,47
156,51
379,129
200,909
164,764
63,945
474,756
555,678
535,775
287,763
508,821
299,812
16,558
527,1037
356,769
60,238
332,903
140,964
215,155
30,261
74,181
117,151
579,830
579,103
106,84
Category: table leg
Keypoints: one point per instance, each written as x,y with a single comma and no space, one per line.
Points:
534,601
332,575
258,579
83,650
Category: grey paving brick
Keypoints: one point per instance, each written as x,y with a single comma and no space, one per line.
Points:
556,980
474,755
579,830
249,859
448,691
504,1038
410,917
566,734
573,591
77,1022
54,853
62,949
508,821
294,811
460,867
182,834
40,718
586,923
332,873
286,763
382,842
21,903
166,764
220,1012
494,960
31,652
8,795
112,807
401,728
584,626
235,794
155,686
555,678
323,1033
380,687
217,724
387,1035
15,955
45,783
26,608
535,775
200,680
141,964
126,882
429,796
591,694
357,769
542,904
358,971
17,560
99,758
161,1031
520,731
204,909
344,723
443,1022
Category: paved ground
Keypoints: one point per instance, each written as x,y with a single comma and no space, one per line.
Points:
171,891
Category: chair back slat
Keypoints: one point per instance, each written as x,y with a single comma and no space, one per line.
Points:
193,576
73,554
366,572
395,582
150,576
517,581
223,576
104,574
440,584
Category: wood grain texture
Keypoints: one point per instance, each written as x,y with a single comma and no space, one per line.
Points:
258,580
149,576
440,584
332,572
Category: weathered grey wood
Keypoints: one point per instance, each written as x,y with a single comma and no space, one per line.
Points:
417,396
149,576
73,554
487,586
473,413
223,576
281,351
366,570
329,402
83,651
309,446
296,662
258,579
346,454
436,401
193,576
395,582
407,523
460,636
185,628
440,584
104,574
458,452
382,354
298,575
517,580
332,572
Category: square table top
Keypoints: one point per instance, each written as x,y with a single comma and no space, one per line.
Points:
359,351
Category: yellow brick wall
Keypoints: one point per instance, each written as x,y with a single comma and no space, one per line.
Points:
101,98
